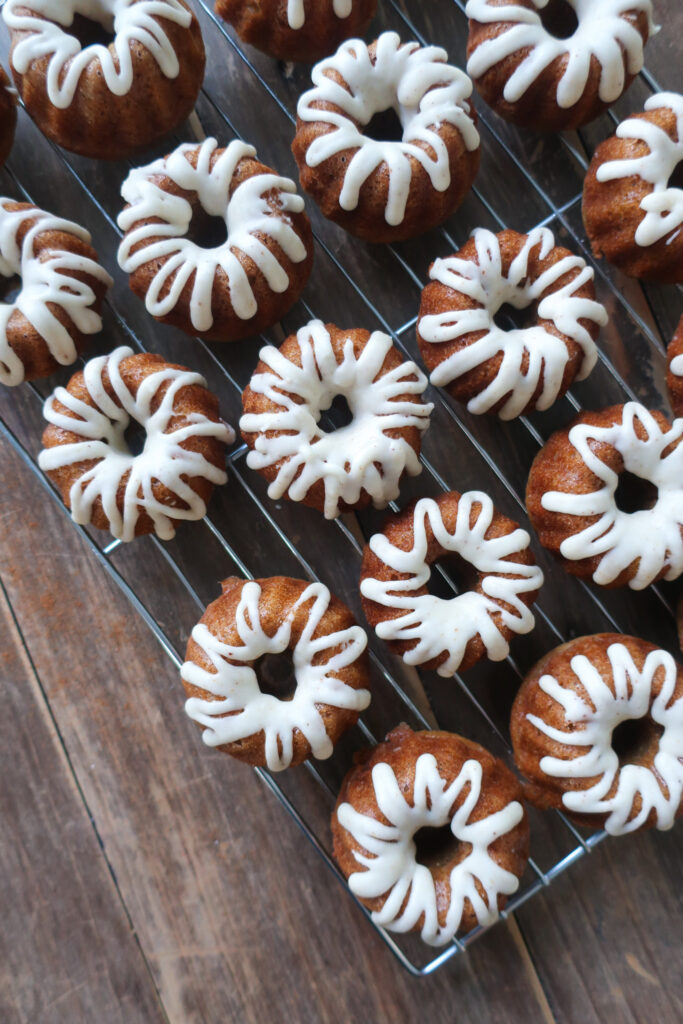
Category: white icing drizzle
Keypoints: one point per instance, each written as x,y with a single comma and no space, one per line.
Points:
360,456
602,32
242,710
390,863
663,206
248,213
296,15
102,428
418,84
440,625
589,726
47,281
137,22
486,284
676,366
619,538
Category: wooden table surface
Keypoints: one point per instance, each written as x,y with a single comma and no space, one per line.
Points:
145,878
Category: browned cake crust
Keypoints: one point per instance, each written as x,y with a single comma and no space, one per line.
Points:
438,298
264,24
8,116
271,305
426,208
99,123
538,107
674,381
399,531
612,213
257,403
531,745
189,401
400,751
23,337
279,595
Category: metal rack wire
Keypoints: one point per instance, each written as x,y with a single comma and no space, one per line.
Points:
562,216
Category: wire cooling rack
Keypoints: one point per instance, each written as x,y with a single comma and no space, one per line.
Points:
524,182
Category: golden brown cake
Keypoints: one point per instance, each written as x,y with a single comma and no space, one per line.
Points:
406,178
674,377
597,732
509,372
553,66
8,116
264,711
88,457
606,496
632,201
57,307
300,30
430,831
346,468
223,288
449,634
100,100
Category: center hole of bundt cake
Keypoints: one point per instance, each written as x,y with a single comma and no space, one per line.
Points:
276,676
451,573
436,846
338,415
633,494
634,736
9,288
559,19
206,231
676,177
90,32
384,126
135,437
508,317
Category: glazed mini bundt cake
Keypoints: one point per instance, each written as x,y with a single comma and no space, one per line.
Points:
347,468
553,66
674,377
106,101
455,633
255,712
431,833
597,732
573,501
223,291
8,116
509,372
87,456
299,30
632,203
385,191
57,307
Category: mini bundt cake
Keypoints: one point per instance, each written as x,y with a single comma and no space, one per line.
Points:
347,468
58,304
299,30
384,191
449,634
577,507
509,372
106,101
632,201
87,456
431,833
247,707
8,116
553,66
597,730
223,291
674,377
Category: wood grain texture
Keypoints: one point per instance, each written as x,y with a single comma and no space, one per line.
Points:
234,912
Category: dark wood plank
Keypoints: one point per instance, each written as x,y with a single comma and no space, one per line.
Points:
67,952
